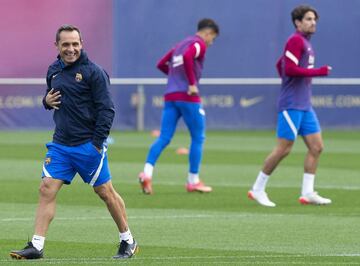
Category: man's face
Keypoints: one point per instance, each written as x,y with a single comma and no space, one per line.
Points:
209,37
308,24
69,46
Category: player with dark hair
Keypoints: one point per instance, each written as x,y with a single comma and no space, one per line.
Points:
295,113
183,64
78,92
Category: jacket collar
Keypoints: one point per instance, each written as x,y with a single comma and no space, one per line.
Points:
83,58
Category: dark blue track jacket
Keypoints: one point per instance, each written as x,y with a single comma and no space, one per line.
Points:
86,111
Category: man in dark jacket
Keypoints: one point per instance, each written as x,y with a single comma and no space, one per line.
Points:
78,91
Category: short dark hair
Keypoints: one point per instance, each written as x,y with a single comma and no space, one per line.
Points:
67,27
299,12
207,23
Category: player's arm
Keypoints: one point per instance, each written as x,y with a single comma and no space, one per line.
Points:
193,51
104,107
293,52
163,64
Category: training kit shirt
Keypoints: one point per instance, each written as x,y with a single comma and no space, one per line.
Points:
296,69
183,64
86,111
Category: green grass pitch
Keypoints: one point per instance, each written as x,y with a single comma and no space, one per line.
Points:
174,227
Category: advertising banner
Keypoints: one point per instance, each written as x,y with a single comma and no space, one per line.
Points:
254,106
226,107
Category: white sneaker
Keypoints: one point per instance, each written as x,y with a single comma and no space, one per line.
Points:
261,197
314,198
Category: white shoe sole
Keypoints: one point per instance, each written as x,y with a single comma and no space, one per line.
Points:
251,195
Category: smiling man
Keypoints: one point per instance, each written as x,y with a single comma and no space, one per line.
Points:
78,92
295,113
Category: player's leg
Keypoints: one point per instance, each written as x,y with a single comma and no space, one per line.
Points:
287,130
93,168
114,203
45,213
315,146
257,192
194,118
169,121
56,170
311,132
116,206
281,150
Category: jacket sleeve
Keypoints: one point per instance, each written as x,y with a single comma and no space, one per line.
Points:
293,52
163,64
48,84
104,107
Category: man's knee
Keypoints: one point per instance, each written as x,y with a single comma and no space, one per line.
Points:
102,192
284,151
287,150
198,138
316,149
48,188
164,140
43,189
105,192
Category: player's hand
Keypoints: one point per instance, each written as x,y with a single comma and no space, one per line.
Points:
52,99
193,90
99,150
329,68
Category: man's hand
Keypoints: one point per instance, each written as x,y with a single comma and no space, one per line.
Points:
52,99
328,69
99,150
193,90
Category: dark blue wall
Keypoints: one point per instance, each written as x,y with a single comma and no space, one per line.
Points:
252,37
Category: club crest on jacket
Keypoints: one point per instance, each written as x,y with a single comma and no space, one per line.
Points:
78,77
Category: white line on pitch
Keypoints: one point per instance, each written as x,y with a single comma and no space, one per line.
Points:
155,217
238,258
186,216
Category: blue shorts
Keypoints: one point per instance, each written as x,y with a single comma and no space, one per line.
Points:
63,162
295,122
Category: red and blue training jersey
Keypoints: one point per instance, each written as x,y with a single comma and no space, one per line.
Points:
183,64
296,69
